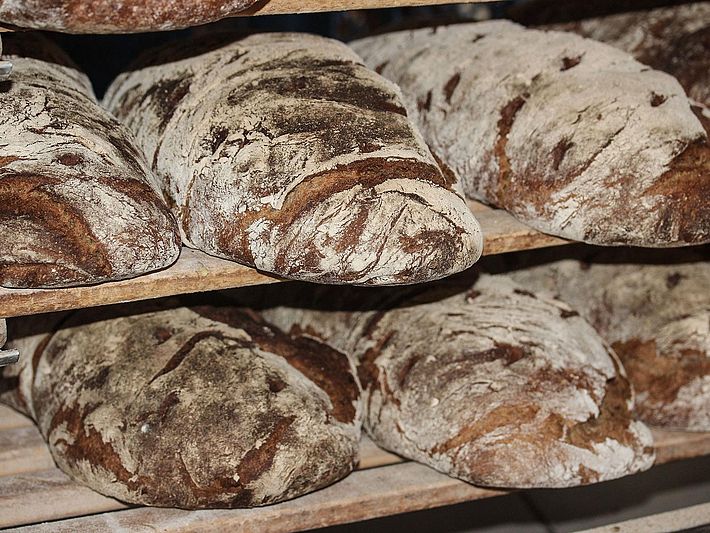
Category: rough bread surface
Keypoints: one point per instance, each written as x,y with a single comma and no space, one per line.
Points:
122,16
493,384
190,407
656,313
284,152
78,204
573,137
674,39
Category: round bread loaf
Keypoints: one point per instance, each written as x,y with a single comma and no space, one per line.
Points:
192,408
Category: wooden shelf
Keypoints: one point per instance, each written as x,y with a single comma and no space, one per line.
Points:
32,490
198,272
282,7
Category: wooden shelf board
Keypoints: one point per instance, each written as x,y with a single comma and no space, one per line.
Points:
32,490
282,7
198,272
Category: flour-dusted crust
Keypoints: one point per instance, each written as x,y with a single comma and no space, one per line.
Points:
674,39
284,152
572,136
122,16
78,205
493,384
656,312
193,407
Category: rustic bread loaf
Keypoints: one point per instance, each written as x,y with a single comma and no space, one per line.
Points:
492,385
192,407
656,313
673,39
78,204
573,137
128,16
284,152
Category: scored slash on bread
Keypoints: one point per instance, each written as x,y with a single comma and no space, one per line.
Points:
573,137
284,152
78,203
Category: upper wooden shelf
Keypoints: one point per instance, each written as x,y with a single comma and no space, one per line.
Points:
198,272
281,7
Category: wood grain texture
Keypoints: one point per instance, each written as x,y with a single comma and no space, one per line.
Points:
277,7
198,272
380,487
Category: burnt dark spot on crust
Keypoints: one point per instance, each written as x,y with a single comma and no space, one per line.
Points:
98,379
451,85
508,353
657,99
568,313
570,62
425,104
523,292
70,159
559,152
379,68
672,280
165,95
275,383
217,136
162,334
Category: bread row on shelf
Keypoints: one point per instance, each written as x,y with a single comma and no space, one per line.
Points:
284,152
259,395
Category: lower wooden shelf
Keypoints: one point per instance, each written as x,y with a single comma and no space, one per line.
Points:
32,490
198,272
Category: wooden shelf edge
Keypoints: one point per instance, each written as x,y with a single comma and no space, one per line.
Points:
196,271
285,7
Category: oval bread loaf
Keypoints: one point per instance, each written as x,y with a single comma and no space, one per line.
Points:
282,151
127,16
656,313
493,385
191,407
78,204
573,137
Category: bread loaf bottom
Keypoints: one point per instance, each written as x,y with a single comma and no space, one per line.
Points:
284,152
573,137
188,407
78,203
655,310
487,383
128,16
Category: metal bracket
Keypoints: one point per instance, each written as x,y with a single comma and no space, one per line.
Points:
7,357
5,67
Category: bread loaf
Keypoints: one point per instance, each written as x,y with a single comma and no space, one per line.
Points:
656,312
78,204
674,39
284,152
191,407
127,16
573,137
492,385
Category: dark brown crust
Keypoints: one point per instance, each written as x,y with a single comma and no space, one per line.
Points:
660,377
103,16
